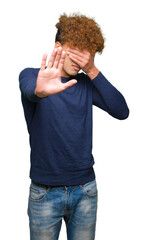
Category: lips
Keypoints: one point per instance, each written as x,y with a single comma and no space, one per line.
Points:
77,68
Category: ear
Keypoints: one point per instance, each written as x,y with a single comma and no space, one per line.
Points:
57,44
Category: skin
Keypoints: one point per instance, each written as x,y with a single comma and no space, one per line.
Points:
61,63
68,69
85,60
49,79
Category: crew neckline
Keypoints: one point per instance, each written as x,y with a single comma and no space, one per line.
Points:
68,78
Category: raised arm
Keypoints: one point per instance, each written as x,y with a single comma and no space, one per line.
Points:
48,82
105,95
108,98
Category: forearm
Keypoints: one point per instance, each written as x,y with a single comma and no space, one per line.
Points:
27,81
93,73
111,97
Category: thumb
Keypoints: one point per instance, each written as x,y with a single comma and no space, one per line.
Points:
70,83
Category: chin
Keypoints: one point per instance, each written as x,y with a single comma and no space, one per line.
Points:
73,73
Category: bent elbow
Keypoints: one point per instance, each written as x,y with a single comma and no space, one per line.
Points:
121,110
121,115
124,114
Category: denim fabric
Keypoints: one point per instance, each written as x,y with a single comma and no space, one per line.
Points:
77,205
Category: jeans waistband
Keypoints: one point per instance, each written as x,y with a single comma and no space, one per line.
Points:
46,186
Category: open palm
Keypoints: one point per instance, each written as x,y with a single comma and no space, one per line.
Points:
49,79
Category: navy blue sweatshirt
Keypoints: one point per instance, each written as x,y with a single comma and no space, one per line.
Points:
60,126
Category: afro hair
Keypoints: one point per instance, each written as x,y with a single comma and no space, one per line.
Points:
80,31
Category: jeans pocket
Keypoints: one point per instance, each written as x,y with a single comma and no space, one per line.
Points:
37,194
90,189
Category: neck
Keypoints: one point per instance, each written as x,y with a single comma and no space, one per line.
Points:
64,74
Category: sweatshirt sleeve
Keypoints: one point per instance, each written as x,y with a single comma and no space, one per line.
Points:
27,84
108,98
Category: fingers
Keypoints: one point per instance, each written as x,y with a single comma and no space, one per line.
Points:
70,83
74,56
78,55
43,63
61,62
76,59
57,58
52,58
77,52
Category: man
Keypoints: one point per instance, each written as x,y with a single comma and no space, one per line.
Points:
57,102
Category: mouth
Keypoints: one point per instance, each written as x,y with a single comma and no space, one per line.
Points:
77,68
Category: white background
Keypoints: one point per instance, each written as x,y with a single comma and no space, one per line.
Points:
119,147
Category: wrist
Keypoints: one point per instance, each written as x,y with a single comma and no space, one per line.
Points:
93,72
40,93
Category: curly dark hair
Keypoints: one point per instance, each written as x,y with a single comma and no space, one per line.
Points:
80,31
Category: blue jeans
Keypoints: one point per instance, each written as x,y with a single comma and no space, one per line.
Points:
77,205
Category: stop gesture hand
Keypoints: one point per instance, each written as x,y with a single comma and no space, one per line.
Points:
49,79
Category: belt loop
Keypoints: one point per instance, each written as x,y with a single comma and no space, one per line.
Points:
48,188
